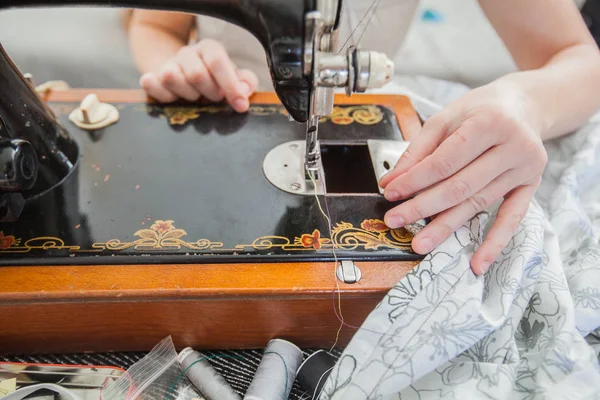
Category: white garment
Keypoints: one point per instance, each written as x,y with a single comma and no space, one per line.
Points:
384,32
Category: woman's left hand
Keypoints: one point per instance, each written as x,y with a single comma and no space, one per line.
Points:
481,148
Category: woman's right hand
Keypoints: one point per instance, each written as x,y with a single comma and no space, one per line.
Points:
201,70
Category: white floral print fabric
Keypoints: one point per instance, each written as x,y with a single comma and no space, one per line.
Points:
528,329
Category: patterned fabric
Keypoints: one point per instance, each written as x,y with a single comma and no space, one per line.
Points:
528,329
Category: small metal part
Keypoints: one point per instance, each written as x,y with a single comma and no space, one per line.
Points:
312,150
357,71
362,70
329,10
384,155
348,272
29,78
415,227
351,72
312,22
284,168
333,70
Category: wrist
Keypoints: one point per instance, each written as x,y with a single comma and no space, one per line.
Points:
533,108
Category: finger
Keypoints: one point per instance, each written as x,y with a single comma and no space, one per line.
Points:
173,79
433,133
447,222
249,79
152,86
452,191
509,217
456,152
197,75
224,73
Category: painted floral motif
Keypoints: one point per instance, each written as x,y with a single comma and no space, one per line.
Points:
6,241
363,114
342,115
162,226
312,240
163,235
374,225
181,115
347,237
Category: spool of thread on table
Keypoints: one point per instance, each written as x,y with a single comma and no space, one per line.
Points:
204,377
276,372
314,371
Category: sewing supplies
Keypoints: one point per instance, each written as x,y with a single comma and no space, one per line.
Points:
314,371
276,372
204,377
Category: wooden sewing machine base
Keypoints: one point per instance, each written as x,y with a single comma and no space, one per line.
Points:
123,256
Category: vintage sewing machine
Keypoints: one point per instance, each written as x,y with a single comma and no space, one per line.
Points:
194,221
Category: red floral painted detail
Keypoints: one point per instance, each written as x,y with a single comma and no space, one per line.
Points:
374,225
312,240
6,241
162,226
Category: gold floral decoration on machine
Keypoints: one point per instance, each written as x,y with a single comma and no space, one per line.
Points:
341,115
162,235
180,115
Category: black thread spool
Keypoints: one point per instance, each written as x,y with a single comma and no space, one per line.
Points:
314,371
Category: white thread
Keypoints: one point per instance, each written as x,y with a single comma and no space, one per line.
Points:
206,379
276,372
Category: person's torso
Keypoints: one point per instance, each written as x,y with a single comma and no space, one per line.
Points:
386,22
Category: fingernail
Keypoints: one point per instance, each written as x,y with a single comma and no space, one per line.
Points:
395,221
485,266
426,244
246,88
240,104
391,195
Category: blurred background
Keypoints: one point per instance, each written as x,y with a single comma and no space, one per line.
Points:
87,47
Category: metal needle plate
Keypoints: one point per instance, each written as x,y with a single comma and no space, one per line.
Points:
284,167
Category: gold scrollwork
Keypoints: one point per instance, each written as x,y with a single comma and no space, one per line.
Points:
372,234
38,243
342,115
161,235
363,114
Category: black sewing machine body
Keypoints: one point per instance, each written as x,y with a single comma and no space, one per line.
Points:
278,24
184,183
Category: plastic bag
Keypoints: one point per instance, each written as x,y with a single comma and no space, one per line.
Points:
157,376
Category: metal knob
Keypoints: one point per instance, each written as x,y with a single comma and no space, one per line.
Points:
18,165
357,71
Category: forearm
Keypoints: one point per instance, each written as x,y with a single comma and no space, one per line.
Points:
151,46
564,93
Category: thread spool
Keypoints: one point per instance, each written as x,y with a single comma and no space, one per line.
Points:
314,371
276,372
204,377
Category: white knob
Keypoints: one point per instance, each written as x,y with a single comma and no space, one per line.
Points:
382,70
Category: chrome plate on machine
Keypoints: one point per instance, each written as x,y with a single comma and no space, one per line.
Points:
284,167
284,164
384,155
